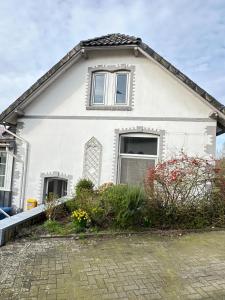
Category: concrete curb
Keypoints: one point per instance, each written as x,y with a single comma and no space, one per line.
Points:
129,233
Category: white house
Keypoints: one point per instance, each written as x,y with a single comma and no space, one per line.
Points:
107,111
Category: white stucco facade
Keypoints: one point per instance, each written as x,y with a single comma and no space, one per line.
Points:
57,123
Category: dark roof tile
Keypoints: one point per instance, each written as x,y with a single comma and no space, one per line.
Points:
114,39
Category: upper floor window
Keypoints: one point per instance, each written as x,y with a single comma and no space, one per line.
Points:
98,92
110,88
121,88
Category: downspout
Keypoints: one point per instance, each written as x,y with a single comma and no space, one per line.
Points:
24,168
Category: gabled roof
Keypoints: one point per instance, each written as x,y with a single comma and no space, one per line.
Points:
112,41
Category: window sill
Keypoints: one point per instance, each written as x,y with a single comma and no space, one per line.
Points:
109,107
4,189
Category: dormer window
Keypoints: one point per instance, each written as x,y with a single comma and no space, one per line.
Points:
110,88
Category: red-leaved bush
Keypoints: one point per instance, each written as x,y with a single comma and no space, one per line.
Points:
181,180
186,190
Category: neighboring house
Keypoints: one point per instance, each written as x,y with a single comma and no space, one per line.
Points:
109,110
7,146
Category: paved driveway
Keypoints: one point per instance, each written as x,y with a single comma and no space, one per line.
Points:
135,267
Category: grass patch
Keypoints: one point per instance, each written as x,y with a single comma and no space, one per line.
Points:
54,227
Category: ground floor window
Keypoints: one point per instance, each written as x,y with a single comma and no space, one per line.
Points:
2,168
137,153
56,186
6,160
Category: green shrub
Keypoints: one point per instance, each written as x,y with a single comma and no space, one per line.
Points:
71,205
111,201
133,207
97,215
87,200
124,205
84,186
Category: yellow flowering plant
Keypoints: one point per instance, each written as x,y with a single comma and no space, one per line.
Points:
80,218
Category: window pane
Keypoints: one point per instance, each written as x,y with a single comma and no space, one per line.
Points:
121,88
2,169
139,145
2,180
133,171
99,83
2,157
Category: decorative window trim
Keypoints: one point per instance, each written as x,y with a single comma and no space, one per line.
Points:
111,69
55,174
139,129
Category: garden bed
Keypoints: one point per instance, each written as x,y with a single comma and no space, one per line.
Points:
183,194
40,232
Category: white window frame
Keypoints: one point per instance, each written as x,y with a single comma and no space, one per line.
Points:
110,88
127,87
3,164
93,88
8,170
135,156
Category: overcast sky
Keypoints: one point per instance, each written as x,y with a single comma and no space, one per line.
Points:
35,34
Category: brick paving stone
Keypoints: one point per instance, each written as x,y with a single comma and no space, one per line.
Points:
128,267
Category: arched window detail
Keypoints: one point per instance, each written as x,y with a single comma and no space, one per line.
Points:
92,160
